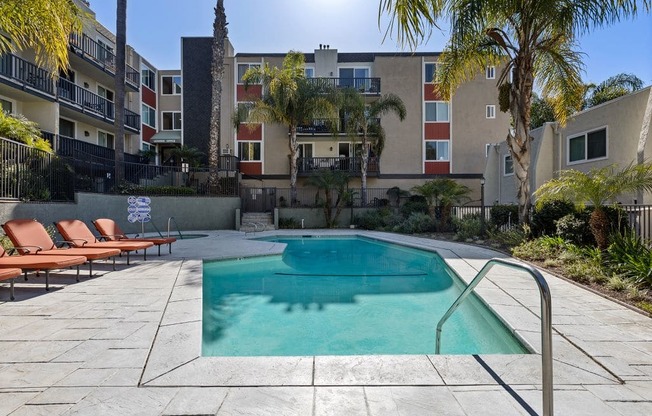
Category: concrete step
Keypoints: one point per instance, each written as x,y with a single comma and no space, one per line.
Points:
250,228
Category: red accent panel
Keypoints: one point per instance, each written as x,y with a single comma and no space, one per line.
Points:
429,94
253,92
148,132
438,168
149,96
251,168
437,131
246,133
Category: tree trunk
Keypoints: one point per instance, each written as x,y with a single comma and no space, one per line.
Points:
642,141
519,140
363,171
217,72
294,156
599,223
119,87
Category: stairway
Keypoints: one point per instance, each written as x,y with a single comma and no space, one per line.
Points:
263,221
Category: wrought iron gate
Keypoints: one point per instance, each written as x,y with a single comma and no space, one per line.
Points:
258,199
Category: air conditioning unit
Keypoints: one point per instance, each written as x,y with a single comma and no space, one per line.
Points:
227,151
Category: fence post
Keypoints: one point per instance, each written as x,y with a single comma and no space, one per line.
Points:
482,212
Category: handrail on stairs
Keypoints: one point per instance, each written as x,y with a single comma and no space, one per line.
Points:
255,225
546,322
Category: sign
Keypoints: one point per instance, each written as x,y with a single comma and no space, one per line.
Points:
139,209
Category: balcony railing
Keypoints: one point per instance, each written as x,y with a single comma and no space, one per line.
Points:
369,86
70,147
321,126
26,73
352,165
101,56
89,102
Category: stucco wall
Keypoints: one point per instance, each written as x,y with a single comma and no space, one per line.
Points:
314,217
190,213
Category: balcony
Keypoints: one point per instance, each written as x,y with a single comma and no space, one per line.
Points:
78,149
351,165
367,86
320,126
92,104
102,58
23,74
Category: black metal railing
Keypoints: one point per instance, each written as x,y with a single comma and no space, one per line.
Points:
352,165
369,86
101,56
324,126
26,73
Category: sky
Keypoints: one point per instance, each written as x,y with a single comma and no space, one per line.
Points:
155,27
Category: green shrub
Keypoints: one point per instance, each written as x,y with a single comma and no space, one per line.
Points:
503,215
376,219
544,217
631,257
289,223
509,238
540,249
575,228
417,222
414,205
468,227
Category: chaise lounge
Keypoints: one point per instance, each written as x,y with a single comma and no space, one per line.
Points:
79,235
111,231
30,237
10,274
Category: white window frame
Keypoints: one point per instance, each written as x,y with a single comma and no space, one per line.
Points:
303,145
506,158
148,114
259,142
173,85
107,134
585,134
10,101
428,81
490,111
425,103
74,123
173,113
425,148
237,69
490,72
97,89
309,68
354,67
142,78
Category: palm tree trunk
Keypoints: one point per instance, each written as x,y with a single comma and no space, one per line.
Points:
217,72
294,156
642,141
363,172
599,223
119,86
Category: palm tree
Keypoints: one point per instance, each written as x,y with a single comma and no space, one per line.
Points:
612,87
220,33
330,182
119,105
597,188
41,25
288,98
363,121
442,194
644,135
534,42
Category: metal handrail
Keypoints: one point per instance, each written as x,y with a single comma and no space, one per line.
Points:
172,219
546,322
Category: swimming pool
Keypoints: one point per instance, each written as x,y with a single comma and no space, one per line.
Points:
342,296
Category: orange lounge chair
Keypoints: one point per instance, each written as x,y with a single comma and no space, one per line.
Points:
10,274
40,262
79,235
30,237
111,231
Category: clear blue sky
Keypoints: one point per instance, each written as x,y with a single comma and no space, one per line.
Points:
154,29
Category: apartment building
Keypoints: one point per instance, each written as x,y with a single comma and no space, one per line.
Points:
437,137
75,109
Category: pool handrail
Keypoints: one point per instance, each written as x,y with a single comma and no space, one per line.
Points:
172,219
546,322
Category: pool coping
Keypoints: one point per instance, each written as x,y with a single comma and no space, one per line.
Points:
175,357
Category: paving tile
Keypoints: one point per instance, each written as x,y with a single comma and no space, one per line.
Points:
577,402
32,375
118,358
10,401
123,377
334,401
271,401
85,351
175,345
33,351
627,408
90,377
119,330
491,402
182,311
413,401
42,410
614,393
196,401
61,395
124,401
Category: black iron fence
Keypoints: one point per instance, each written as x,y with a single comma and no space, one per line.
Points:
26,73
352,165
364,85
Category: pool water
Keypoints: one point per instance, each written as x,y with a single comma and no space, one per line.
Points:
342,296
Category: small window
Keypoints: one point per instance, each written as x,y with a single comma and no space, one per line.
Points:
148,79
508,165
305,150
309,72
105,139
148,116
491,111
249,151
437,111
430,72
171,120
171,85
491,72
242,68
6,106
437,151
588,146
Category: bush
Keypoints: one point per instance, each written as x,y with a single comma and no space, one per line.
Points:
509,238
631,257
544,218
575,228
503,215
418,205
540,249
289,223
417,222
468,227
376,219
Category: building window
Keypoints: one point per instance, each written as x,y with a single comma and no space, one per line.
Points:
491,72
148,79
242,68
508,165
437,111
437,151
431,70
305,150
491,111
249,151
6,106
357,78
309,72
588,146
148,116
171,120
171,85
105,93
105,139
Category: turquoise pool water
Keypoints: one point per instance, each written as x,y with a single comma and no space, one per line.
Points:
342,296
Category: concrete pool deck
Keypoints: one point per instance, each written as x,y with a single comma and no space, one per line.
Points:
128,342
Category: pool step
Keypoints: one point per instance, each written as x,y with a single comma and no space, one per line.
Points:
257,221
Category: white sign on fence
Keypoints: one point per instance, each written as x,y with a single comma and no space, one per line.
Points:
139,209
